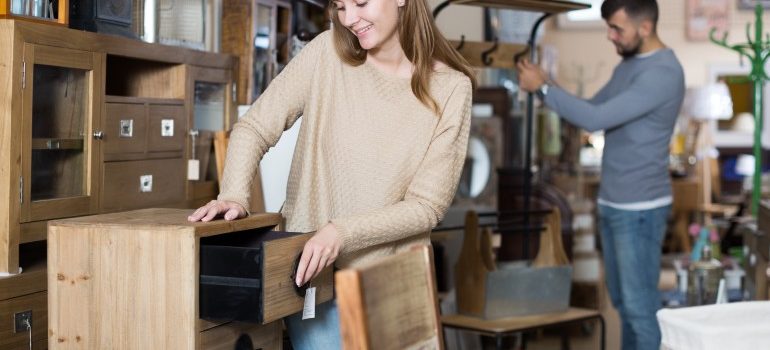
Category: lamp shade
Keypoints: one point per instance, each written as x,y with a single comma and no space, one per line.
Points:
709,102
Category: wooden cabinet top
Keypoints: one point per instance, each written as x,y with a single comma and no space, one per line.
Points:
171,220
46,34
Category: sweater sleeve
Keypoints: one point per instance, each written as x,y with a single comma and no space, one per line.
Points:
646,92
276,110
430,191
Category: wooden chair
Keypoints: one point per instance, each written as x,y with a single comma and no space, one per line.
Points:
390,304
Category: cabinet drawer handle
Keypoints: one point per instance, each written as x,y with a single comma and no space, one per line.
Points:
98,134
145,183
126,128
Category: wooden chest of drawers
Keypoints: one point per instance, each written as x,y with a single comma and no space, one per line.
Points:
130,280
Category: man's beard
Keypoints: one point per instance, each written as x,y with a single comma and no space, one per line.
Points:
633,50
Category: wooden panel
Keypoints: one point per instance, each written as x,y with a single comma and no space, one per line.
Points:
278,296
143,100
87,41
144,78
237,34
113,142
267,337
352,310
470,271
31,280
33,231
135,288
397,306
121,188
10,141
55,56
513,324
174,217
59,208
156,142
33,302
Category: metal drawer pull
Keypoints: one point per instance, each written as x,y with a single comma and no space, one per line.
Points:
98,134
145,183
167,127
126,128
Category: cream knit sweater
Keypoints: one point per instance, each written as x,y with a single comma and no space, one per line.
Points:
370,158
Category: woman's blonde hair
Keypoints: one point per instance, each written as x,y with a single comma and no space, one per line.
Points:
421,41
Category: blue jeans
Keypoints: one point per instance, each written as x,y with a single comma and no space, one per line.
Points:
631,245
319,333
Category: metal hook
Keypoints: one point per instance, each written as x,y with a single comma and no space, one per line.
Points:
462,43
485,55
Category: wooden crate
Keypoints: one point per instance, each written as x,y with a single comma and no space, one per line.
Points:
62,10
130,280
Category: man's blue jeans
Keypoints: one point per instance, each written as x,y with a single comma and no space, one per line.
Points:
631,245
319,333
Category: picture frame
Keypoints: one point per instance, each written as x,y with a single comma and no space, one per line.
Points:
703,15
750,4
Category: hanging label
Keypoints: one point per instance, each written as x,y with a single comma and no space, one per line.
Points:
308,311
193,169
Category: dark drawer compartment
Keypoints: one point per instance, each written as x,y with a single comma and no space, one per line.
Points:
246,276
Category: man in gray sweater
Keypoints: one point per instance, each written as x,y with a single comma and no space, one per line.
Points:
637,110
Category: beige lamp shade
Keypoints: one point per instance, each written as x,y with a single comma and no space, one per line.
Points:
709,102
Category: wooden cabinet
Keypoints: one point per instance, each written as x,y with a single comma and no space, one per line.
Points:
259,33
137,277
86,120
60,95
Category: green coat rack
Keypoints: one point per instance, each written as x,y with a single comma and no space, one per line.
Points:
757,51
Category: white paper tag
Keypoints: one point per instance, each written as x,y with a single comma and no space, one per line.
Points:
309,310
193,169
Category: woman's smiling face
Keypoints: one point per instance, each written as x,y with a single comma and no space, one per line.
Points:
373,22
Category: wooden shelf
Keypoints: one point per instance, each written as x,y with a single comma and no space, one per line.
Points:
547,6
57,144
502,57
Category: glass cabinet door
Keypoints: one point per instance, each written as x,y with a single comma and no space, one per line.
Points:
59,107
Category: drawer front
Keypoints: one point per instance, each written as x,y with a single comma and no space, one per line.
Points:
167,128
37,303
279,295
125,128
140,184
247,276
225,337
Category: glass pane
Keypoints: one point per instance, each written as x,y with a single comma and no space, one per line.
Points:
262,50
209,106
59,107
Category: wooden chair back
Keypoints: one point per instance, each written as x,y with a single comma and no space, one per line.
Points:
390,304
257,197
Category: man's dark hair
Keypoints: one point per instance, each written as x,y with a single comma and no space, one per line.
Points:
636,9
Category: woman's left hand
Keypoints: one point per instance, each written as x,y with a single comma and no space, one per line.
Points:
320,251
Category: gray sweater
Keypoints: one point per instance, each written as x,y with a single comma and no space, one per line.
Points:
637,110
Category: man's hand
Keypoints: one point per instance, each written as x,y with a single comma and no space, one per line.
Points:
208,212
531,77
320,251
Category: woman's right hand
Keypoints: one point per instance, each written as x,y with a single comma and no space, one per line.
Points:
208,212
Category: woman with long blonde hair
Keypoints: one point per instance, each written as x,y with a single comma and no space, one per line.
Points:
386,105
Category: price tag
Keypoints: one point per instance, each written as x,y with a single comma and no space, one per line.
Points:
308,311
193,169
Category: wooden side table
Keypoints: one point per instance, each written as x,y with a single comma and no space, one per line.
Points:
501,328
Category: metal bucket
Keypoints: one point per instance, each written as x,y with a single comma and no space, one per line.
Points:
515,289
